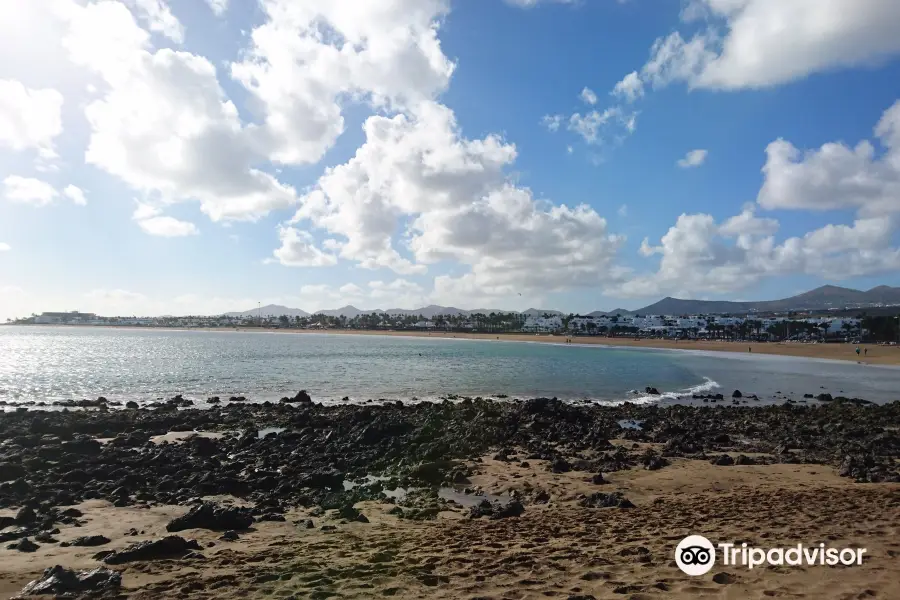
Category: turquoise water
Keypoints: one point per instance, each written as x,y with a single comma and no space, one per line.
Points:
59,363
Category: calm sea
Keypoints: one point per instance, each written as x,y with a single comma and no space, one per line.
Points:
58,363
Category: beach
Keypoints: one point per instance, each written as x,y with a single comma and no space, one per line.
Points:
875,355
474,499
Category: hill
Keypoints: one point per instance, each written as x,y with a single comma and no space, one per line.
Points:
827,297
270,310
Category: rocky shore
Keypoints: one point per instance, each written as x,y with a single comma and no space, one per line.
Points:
198,483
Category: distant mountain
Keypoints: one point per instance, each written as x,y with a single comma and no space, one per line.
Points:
347,311
270,310
537,312
827,297
613,312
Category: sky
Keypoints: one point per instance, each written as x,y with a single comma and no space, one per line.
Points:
203,156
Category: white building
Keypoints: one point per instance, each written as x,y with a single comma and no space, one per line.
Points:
543,324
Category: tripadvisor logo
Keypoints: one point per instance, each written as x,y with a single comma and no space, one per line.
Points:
695,555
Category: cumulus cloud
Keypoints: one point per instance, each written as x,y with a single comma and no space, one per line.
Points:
760,43
298,250
458,205
588,96
218,7
699,255
150,219
630,88
75,194
28,190
164,125
692,159
159,18
836,176
29,118
4,247
552,122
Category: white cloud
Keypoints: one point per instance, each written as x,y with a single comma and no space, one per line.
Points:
218,7
4,247
75,194
836,176
552,122
165,126
115,296
623,211
167,227
692,159
298,250
28,190
456,203
29,119
588,96
701,256
588,126
159,18
533,3
762,43
630,88
387,51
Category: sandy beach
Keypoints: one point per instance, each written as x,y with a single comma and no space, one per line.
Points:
584,505
873,354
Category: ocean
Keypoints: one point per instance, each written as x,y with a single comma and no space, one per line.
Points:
47,364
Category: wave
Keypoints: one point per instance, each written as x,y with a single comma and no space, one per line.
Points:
643,398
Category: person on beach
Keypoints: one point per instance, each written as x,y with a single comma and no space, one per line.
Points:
857,350
749,348
866,352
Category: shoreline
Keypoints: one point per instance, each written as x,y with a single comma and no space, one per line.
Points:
876,355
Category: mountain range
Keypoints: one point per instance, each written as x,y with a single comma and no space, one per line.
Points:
828,297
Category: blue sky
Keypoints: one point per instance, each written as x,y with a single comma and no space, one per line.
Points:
164,157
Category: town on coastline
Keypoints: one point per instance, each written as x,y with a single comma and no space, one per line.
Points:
791,326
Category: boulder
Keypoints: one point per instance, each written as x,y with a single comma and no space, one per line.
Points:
652,391
737,394
23,545
302,396
723,460
62,582
88,540
604,500
496,510
171,546
210,515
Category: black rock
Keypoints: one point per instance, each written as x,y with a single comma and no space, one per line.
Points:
652,391
10,471
131,404
171,546
301,396
212,516
24,545
598,479
88,540
604,500
26,516
737,394
496,510
62,582
723,460
230,536
560,465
